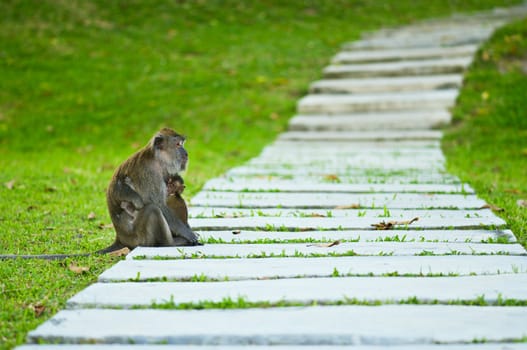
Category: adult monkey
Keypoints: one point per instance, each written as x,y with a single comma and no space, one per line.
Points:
137,196
138,199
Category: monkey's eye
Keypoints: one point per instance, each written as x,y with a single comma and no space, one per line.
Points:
180,143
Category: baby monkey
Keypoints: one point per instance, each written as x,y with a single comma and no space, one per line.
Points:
175,187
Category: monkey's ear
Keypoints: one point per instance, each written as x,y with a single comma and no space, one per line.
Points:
158,142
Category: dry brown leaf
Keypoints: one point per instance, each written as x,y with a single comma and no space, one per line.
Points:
10,184
492,207
391,224
325,245
317,215
91,216
350,206
305,229
37,308
332,178
78,269
522,203
513,190
121,252
50,189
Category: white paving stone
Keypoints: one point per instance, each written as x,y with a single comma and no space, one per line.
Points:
344,161
409,120
391,84
339,325
307,290
395,214
235,235
333,200
257,185
469,33
350,147
402,68
381,135
270,268
311,250
389,146
501,346
372,176
356,163
366,56
333,223
339,104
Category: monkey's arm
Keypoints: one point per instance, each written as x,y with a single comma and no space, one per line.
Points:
123,192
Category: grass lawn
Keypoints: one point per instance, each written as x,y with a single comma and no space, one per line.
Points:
86,83
487,143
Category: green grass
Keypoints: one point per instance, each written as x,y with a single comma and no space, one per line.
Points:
86,83
487,143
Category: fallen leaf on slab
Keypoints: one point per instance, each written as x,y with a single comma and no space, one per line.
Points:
121,252
78,269
237,232
350,206
492,207
325,245
317,215
332,178
391,224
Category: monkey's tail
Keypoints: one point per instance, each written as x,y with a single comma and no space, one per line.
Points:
115,246
42,256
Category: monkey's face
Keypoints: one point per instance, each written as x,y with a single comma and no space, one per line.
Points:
168,147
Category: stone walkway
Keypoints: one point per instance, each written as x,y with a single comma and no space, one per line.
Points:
292,228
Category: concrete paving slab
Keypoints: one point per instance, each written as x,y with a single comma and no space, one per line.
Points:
372,175
310,250
326,325
360,103
271,268
409,120
365,234
491,289
350,162
418,37
398,69
258,185
226,212
392,84
380,135
274,223
334,200
367,56
501,346
354,146
342,160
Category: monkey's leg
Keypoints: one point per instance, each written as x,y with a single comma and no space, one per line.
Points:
152,229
